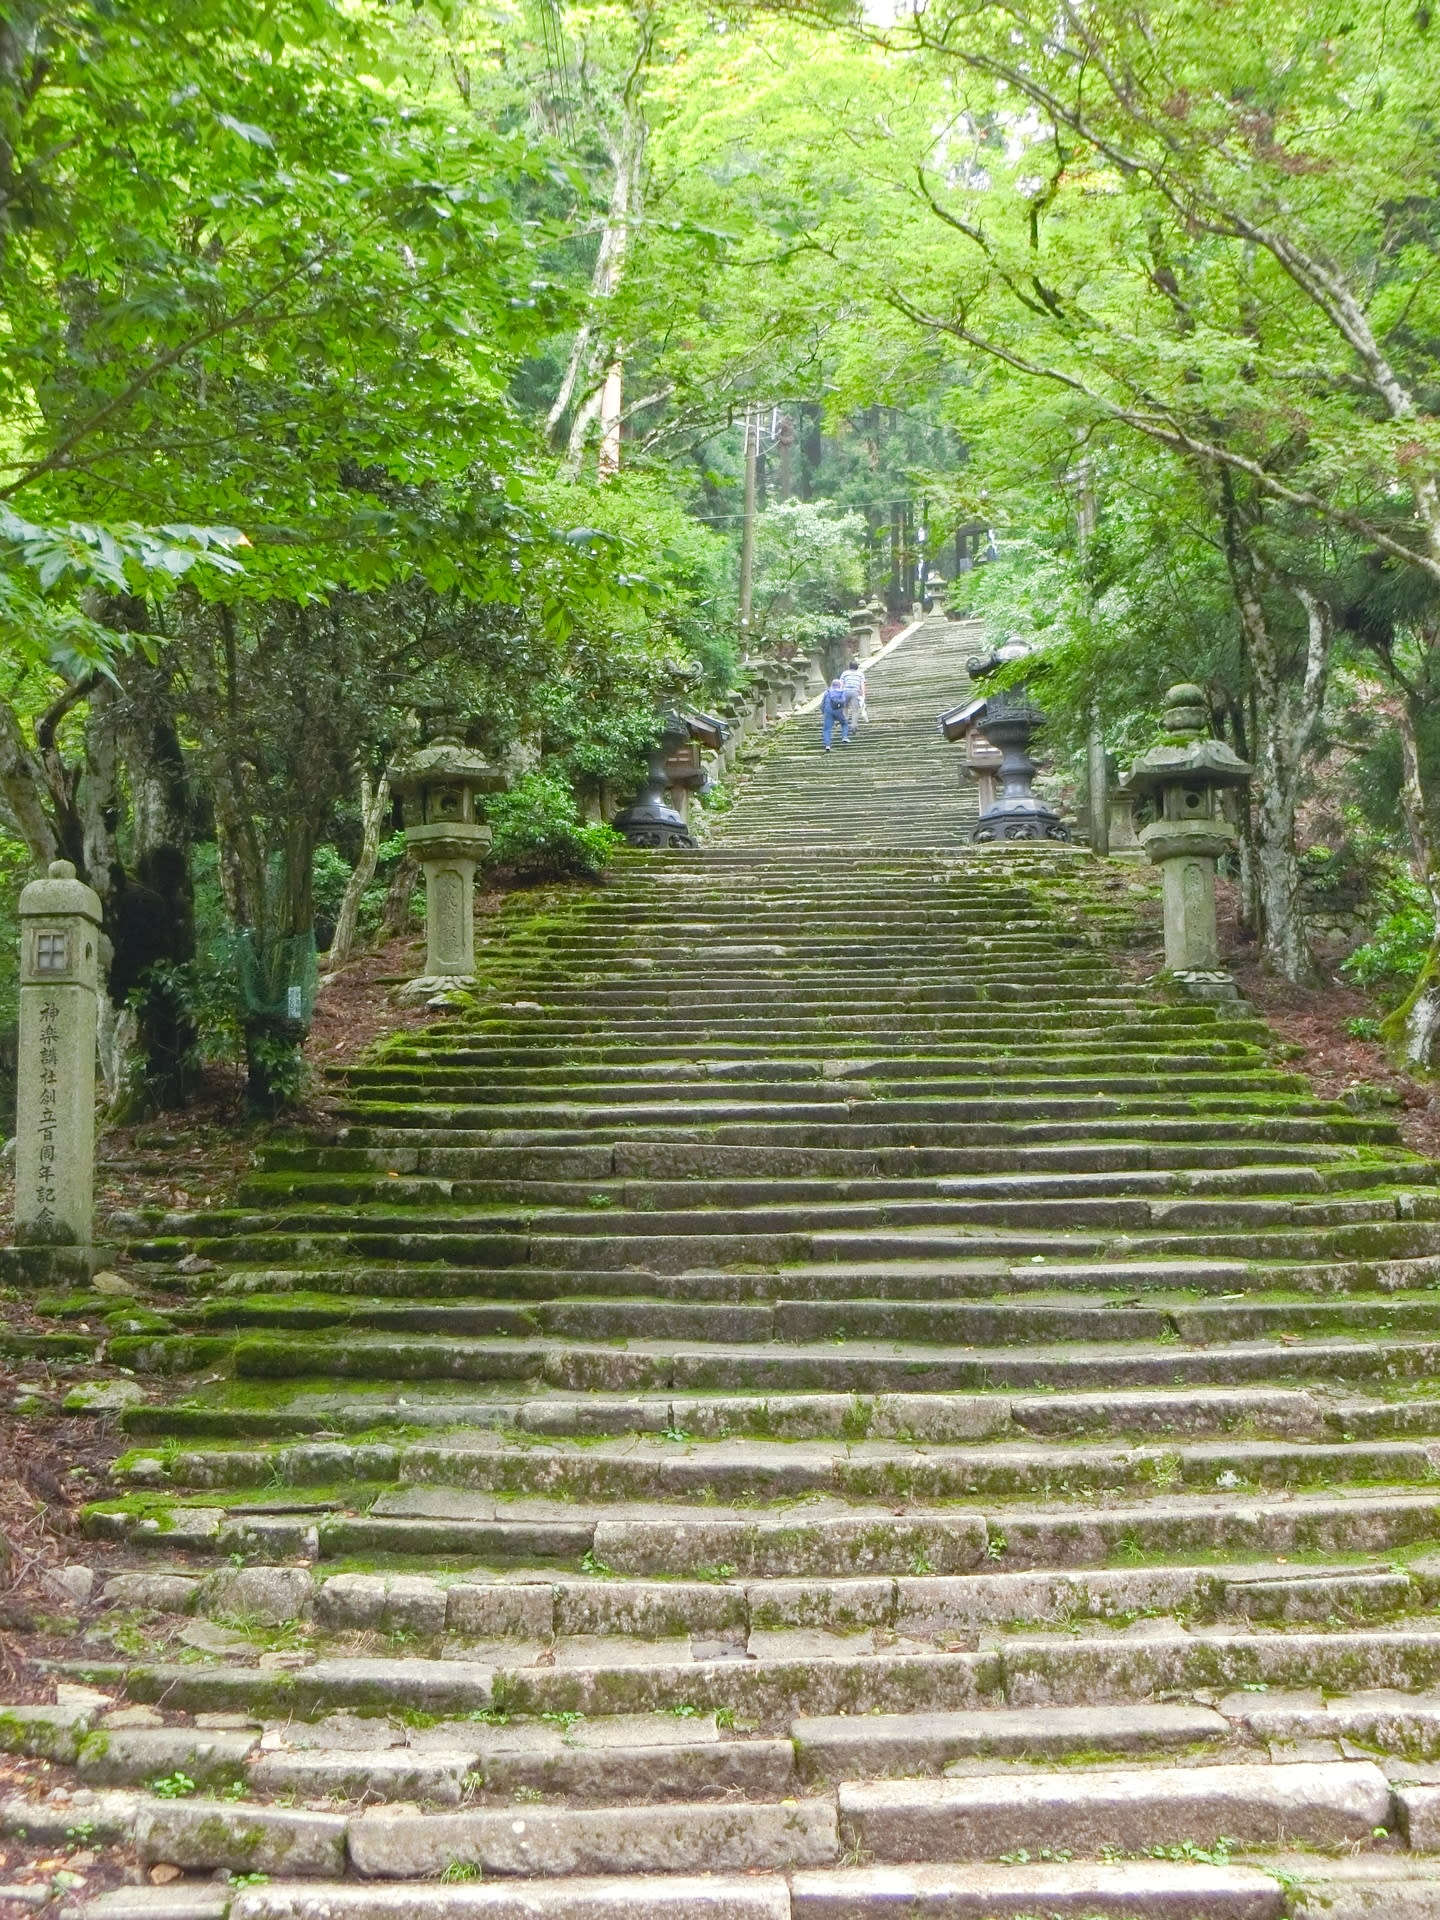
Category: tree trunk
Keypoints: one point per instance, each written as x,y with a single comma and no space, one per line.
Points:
1286,715
22,787
1412,1030
395,916
374,804
591,351
611,404
155,940
1283,945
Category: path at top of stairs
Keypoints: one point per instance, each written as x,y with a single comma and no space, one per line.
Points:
813,1397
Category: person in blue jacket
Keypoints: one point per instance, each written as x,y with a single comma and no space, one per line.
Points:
835,707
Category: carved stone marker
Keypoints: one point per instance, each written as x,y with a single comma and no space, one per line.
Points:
55,1111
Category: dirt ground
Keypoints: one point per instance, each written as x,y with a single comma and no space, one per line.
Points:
1315,1023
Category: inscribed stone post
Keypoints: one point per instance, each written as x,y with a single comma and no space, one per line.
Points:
55,1111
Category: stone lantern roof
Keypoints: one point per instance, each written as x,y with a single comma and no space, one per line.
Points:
445,760
1186,755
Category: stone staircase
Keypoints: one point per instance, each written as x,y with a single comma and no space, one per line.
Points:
813,1397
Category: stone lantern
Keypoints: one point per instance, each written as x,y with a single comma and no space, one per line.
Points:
437,786
675,768
1181,779
1009,719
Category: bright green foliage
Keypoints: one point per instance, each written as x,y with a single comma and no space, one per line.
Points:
538,830
1398,947
808,569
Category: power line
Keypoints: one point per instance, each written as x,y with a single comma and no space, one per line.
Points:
552,34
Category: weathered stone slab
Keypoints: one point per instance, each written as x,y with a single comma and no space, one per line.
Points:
268,1596
50,1733
983,1816
355,1600
183,1901
695,1837
161,1592
673,1897
107,1816
218,1833
756,1549
132,1756
1419,1809
391,1773
759,1769
846,1747
502,1609
1142,1890
649,1608
840,1605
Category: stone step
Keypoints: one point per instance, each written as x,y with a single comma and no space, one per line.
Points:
1148,1890
981,1276
1056,1669
829,1541
606,1080
1278,1412
1315,1139
1168,1074
381,1842
1080,1890
918,1118
990,1034
576,1610
854,1367
971,1323
659,1195
642,1468
846,1223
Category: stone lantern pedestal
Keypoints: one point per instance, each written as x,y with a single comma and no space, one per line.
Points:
1182,779
55,1107
438,786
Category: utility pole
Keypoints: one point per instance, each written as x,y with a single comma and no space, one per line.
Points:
747,527
1097,766
785,440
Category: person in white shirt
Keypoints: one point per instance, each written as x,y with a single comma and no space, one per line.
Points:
853,681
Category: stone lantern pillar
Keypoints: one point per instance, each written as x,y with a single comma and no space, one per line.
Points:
55,1114
438,785
674,768
1182,779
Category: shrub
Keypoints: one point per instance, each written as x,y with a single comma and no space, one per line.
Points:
538,830
1397,950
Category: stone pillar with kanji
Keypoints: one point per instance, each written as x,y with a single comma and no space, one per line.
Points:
55,1101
